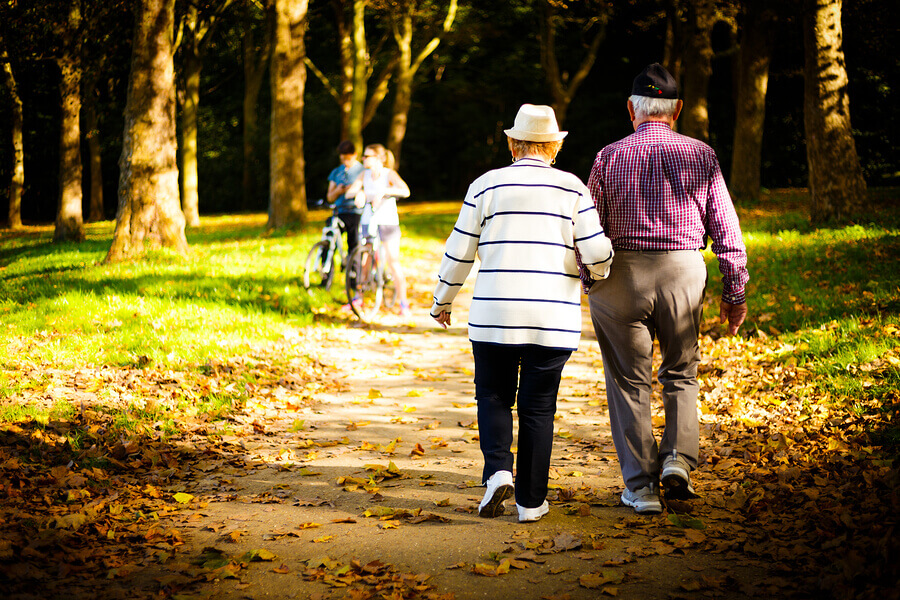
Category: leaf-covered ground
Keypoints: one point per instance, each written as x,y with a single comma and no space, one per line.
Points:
349,466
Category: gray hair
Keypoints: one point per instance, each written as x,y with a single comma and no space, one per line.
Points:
645,106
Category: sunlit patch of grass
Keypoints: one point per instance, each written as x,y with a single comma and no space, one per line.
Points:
218,406
15,412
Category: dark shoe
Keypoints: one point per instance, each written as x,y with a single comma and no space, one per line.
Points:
499,488
676,478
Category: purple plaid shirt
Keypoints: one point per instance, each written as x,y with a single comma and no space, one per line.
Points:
659,190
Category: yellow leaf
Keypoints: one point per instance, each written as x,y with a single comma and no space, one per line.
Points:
373,393
415,393
324,538
182,498
408,408
72,521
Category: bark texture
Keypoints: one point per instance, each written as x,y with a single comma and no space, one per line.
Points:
95,160
403,22
836,183
287,188
697,69
755,54
149,212
256,60
190,199
562,87
69,217
17,182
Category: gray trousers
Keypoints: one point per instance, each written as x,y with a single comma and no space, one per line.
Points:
651,295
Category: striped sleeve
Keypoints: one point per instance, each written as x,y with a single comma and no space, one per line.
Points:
594,248
459,255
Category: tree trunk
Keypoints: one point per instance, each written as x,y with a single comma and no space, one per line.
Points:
149,211
407,69
95,160
673,46
403,33
836,183
287,193
562,91
360,76
757,37
345,40
255,63
17,183
69,217
190,201
698,54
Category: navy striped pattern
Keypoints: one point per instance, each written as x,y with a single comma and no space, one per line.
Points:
524,223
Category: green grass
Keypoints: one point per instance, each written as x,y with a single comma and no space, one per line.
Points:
829,296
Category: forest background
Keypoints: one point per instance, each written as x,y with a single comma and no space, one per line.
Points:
493,57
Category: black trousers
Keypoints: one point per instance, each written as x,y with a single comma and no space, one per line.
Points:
528,377
351,223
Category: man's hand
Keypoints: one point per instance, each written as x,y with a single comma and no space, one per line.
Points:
443,319
733,314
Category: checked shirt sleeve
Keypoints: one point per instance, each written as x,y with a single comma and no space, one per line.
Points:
459,254
727,241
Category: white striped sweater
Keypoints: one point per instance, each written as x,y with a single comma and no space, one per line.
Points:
525,222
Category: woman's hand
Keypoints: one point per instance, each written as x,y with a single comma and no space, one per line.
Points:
443,319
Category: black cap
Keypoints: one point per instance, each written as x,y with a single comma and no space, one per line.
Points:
655,82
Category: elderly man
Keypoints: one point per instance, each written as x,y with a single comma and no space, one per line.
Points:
660,195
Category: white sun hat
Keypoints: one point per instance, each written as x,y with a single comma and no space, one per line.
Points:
536,123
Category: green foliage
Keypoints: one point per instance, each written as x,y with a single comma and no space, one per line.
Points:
60,305
824,300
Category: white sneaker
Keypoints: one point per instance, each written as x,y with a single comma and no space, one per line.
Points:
643,501
529,515
499,488
676,478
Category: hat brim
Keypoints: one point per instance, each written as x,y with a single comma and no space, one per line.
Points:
530,136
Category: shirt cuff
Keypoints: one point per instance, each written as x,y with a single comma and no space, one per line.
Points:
738,297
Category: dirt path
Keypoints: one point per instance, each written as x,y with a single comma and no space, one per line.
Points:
398,442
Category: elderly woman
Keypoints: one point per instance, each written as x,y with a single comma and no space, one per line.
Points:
525,222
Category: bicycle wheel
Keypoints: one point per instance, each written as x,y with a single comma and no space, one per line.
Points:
364,282
320,266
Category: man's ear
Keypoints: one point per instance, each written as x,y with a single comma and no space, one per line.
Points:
631,110
678,108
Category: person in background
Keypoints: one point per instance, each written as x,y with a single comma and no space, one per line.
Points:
659,195
339,181
525,222
381,186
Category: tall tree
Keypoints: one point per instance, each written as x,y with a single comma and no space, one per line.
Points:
256,58
365,69
836,183
69,217
754,57
17,181
198,25
673,44
287,187
697,61
403,21
149,212
554,16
